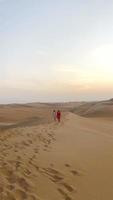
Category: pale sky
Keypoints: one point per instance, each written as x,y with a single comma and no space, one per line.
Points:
56,50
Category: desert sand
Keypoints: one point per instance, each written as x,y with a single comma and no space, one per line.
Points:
45,160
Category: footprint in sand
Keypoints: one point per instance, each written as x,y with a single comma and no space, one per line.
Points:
27,172
12,179
7,196
16,151
32,197
58,178
36,167
33,158
53,174
30,141
18,164
68,187
22,182
11,187
64,194
6,172
36,150
46,145
25,143
67,165
75,173
20,194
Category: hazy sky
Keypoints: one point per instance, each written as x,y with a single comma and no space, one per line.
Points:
56,50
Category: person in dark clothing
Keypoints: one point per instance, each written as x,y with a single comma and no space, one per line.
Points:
58,115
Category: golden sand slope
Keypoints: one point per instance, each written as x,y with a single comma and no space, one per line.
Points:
68,161
101,109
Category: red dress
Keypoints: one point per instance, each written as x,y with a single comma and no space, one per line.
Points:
58,115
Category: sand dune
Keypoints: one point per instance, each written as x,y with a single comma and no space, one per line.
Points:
95,109
50,161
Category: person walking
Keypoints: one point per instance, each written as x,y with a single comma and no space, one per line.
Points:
54,115
58,115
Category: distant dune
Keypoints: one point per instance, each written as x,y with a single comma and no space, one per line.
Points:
33,113
95,109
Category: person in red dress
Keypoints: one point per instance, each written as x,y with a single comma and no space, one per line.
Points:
58,115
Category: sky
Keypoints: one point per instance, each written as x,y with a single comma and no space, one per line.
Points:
54,51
